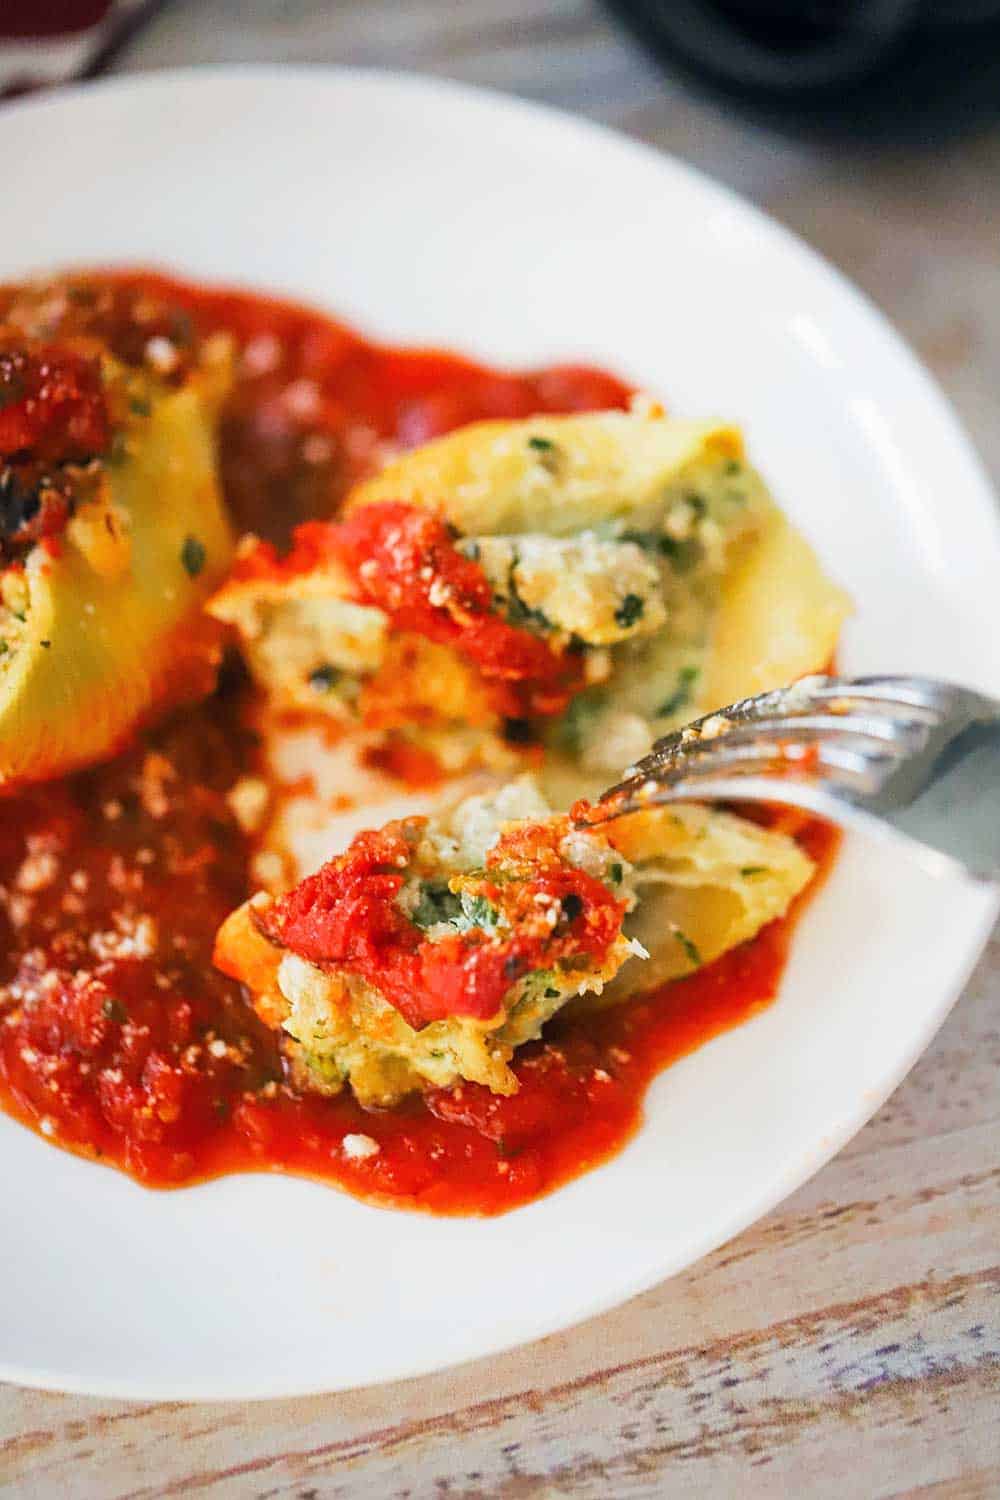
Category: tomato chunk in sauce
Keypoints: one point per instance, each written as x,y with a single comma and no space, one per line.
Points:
118,1039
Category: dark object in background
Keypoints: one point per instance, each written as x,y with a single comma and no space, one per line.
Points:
47,42
876,69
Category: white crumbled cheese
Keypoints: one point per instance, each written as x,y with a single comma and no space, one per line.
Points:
134,939
586,852
162,355
248,800
303,399
37,871
262,354
619,739
359,1147
217,1047
477,822
47,1125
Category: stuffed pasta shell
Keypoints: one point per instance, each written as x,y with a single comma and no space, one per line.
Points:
584,582
433,948
112,528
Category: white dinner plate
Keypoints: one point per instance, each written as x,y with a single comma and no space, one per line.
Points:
429,213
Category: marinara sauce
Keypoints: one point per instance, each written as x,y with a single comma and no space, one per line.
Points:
118,1039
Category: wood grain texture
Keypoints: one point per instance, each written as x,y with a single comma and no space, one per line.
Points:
849,1344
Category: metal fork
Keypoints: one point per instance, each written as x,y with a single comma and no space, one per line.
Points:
903,755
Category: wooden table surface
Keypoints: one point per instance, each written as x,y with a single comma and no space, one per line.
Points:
849,1344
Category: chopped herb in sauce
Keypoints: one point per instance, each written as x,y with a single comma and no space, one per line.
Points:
749,871
630,610
436,904
139,406
616,873
682,555
193,556
690,948
549,453
479,912
324,678
681,695
519,613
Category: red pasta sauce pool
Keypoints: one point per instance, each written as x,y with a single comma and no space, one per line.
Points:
118,1039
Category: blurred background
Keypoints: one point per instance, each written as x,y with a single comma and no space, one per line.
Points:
871,127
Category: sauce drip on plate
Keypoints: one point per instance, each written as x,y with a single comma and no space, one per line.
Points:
118,1039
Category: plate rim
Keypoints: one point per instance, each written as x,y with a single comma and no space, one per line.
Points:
975,481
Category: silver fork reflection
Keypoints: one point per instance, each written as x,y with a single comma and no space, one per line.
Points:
906,755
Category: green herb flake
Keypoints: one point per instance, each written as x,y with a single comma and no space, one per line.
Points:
114,1010
436,904
479,912
4,648
631,609
550,993
749,871
519,613
681,695
193,556
682,555
46,644
549,453
140,407
690,948
733,467
616,873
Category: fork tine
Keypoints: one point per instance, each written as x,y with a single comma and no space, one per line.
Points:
855,770
786,736
878,731
917,695
897,756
